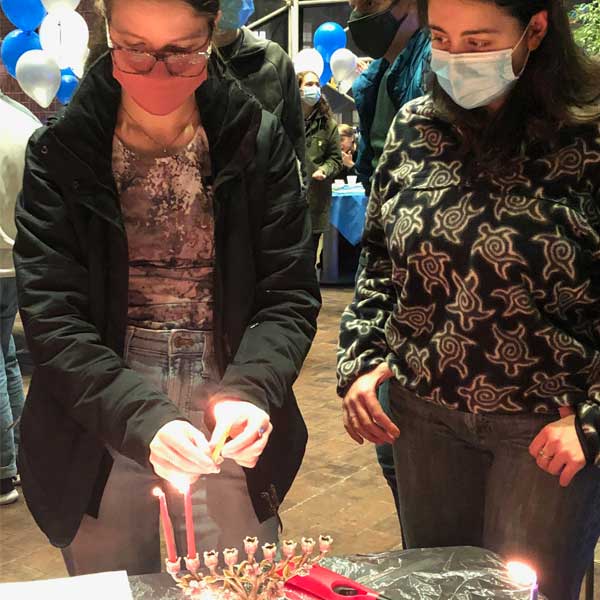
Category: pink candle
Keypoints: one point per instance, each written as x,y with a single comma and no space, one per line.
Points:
167,525
189,523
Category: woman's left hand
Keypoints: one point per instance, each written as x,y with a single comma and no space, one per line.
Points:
557,450
249,430
319,175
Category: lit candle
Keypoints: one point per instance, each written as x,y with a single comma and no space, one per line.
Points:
524,575
189,522
220,444
166,524
185,487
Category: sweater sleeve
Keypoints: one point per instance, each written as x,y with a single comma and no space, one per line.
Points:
587,421
362,342
587,424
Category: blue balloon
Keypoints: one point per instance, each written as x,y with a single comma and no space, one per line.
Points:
328,38
24,14
15,44
68,85
326,75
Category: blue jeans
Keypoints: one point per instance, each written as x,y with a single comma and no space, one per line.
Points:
468,480
385,452
125,536
11,383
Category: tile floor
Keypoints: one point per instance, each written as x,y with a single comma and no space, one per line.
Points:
339,489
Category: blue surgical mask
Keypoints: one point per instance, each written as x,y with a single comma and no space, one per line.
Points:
235,13
475,79
310,95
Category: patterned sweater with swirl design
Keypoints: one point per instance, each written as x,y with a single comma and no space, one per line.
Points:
482,293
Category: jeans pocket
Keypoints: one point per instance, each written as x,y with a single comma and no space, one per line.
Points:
151,365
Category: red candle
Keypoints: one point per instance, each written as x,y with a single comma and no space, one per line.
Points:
167,525
189,523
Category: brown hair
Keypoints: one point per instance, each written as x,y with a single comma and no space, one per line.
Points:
560,85
203,7
98,45
346,130
366,7
322,106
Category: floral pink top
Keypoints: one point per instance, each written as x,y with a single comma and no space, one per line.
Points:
168,214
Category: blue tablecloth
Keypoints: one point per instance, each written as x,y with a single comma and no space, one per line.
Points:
348,211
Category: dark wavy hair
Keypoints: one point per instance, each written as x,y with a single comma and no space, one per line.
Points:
322,106
98,45
560,85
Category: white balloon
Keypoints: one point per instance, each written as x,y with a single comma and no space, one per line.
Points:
38,75
51,5
64,34
346,85
343,63
78,65
309,59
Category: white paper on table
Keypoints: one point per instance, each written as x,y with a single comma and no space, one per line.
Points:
98,586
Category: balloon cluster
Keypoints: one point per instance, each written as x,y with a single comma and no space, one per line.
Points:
329,57
49,62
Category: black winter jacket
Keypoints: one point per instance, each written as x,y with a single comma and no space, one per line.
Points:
72,271
264,70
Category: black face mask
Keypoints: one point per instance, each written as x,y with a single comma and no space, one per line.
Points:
374,34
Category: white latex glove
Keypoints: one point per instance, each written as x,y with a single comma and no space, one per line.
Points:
249,430
180,451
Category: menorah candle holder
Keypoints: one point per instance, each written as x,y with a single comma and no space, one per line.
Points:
192,564
252,579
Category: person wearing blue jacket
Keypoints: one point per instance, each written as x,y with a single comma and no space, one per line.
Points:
388,31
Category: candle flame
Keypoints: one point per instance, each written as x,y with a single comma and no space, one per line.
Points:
521,573
181,482
157,492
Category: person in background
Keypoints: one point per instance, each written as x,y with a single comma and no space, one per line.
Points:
323,154
390,32
263,70
480,297
348,148
16,126
168,294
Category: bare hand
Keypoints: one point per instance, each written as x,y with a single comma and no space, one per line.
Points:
319,175
347,159
249,427
179,450
557,450
363,415
363,65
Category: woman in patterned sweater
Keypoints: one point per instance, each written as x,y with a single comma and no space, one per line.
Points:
481,295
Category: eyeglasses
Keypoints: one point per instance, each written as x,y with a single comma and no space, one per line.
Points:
178,64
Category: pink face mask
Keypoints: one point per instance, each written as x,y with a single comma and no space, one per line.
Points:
159,92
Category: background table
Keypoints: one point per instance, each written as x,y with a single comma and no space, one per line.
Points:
347,219
463,573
